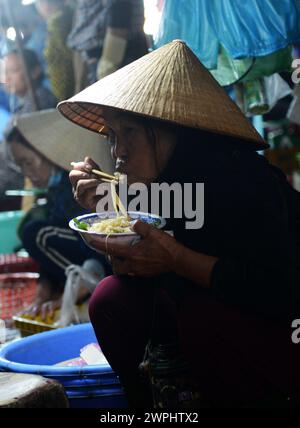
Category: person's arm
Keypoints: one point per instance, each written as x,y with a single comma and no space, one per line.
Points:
258,269
115,42
194,266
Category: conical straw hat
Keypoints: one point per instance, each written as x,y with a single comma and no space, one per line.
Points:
59,141
169,84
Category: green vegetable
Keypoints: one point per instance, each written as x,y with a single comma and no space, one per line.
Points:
155,223
80,224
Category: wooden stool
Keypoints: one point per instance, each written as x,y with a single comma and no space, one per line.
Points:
30,391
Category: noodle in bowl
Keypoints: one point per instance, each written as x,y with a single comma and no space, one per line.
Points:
102,228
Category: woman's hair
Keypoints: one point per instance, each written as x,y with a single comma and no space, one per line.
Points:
15,135
185,134
201,138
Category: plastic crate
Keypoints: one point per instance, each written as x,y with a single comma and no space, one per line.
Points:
17,291
13,263
28,326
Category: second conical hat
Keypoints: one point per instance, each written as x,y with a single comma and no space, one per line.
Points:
168,84
60,142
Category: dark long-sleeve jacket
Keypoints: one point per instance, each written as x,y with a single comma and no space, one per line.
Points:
251,220
61,205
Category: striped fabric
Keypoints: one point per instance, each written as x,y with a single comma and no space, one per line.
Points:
89,25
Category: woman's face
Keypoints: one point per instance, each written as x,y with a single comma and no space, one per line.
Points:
14,75
15,79
139,152
34,166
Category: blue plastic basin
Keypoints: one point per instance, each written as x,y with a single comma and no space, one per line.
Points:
88,386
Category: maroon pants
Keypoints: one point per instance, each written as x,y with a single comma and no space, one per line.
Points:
236,357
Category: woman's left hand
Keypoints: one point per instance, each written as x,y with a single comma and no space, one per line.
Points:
155,254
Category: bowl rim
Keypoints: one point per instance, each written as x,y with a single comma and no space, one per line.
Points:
73,226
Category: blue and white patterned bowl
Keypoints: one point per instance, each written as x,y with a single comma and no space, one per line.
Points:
100,241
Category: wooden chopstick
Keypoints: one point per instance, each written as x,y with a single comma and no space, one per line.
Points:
106,180
104,174
108,177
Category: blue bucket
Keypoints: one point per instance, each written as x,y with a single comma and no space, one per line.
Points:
88,386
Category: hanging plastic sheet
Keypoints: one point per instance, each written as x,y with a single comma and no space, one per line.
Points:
230,71
187,20
252,28
259,96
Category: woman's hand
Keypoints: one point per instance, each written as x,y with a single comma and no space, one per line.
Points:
84,185
159,253
155,254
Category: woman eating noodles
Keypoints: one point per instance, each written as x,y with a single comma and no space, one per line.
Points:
227,291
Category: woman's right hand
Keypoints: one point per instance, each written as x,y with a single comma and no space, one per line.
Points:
84,185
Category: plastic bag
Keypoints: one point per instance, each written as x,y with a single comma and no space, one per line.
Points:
293,113
253,28
261,95
276,88
255,101
187,20
229,70
88,276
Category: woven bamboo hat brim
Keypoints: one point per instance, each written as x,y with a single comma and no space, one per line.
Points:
60,142
169,84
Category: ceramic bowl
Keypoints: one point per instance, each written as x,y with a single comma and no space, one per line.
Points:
97,240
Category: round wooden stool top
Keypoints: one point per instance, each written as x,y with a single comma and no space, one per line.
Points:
30,391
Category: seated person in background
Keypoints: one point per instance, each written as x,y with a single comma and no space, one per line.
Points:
43,144
29,23
16,83
59,57
16,86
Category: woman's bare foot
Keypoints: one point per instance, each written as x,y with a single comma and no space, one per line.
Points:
48,309
45,295
48,301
